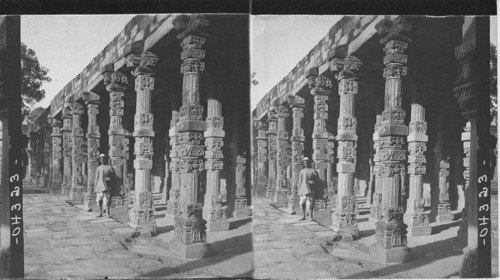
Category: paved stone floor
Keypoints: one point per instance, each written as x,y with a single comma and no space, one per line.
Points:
287,248
64,241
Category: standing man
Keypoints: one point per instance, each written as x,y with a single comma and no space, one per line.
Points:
308,181
104,178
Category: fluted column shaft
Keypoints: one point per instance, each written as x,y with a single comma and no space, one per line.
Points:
272,146
390,233
345,216
67,150
213,211
93,135
141,215
417,145
56,153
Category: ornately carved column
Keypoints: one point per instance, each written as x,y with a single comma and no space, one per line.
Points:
390,232
297,103
282,192
67,150
444,209
56,153
345,216
76,193
261,157
93,144
376,208
272,146
241,209
190,228
418,223
213,211
175,192
141,215
116,84
466,139
320,88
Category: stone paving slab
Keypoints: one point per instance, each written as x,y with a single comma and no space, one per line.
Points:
286,248
65,241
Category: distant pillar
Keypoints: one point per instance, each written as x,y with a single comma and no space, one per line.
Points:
57,154
67,150
261,158
418,223
320,89
345,216
466,139
190,227
213,211
93,137
282,192
390,233
175,192
142,214
298,140
444,209
76,193
272,146
376,207
241,209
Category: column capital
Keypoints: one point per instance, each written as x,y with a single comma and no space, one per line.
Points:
190,25
296,101
394,30
113,80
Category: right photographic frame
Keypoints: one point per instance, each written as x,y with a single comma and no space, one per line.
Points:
374,146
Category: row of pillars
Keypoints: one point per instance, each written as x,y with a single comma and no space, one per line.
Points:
391,163
196,146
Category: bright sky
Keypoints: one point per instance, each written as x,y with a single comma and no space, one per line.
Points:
279,43
66,44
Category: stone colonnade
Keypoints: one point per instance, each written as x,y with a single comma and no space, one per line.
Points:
196,153
397,211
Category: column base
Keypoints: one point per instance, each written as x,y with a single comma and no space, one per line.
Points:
76,195
216,226
241,209
260,190
191,251
391,255
65,189
346,229
418,224
145,229
322,212
293,206
281,197
88,203
270,193
444,213
468,267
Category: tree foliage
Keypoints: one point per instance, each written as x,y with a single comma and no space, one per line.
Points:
33,75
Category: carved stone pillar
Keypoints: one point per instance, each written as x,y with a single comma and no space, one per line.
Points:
116,84
67,150
213,211
57,154
241,209
93,137
466,139
345,216
390,232
190,234
418,223
375,208
298,139
76,193
262,158
174,194
272,146
282,192
141,215
444,209
320,89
